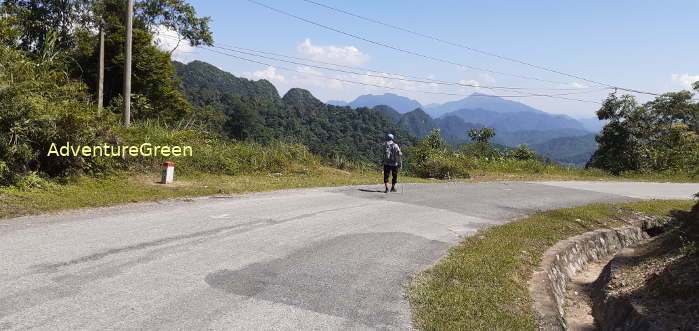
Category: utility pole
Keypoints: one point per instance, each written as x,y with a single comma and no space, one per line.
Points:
100,82
127,66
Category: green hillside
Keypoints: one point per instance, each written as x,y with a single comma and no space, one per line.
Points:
254,111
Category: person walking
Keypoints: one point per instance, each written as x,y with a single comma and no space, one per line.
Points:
391,162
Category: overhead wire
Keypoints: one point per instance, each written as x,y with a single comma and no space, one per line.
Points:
237,49
403,50
521,95
436,82
436,58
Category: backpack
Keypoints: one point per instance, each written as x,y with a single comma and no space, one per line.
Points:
390,156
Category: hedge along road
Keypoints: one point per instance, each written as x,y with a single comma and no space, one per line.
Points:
330,258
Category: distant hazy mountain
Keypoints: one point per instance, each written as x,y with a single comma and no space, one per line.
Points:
593,124
397,102
480,101
532,137
337,103
454,129
417,122
571,150
518,121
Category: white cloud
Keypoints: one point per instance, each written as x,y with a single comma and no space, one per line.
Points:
349,55
573,85
308,76
685,80
168,40
488,79
473,83
269,73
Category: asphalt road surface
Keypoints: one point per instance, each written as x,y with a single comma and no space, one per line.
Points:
330,258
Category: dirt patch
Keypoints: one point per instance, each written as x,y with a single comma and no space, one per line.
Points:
578,304
155,181
658,282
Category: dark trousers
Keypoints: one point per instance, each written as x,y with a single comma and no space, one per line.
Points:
388,170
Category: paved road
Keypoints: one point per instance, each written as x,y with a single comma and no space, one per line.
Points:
332,258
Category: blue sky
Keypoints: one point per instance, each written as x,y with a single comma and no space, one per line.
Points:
645,45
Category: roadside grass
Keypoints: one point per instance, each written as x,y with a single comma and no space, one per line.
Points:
85,191
482,283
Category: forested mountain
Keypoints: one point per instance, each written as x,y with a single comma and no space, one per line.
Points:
389,112
254,111
570,150
417,122
205,83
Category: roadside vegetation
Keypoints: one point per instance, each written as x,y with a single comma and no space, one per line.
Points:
482,283
239,128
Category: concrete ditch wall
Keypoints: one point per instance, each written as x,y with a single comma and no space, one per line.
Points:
548,283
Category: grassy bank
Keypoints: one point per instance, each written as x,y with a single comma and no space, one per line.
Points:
482,283
84,191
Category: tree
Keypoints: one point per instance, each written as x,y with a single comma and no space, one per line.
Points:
40,17
481,135
659,135
243,121
68,27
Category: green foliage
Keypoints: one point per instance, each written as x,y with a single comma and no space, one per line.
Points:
431,158
9,29
40,18
658,136
69,29
523,153
213,154
254,111
481,135
40,105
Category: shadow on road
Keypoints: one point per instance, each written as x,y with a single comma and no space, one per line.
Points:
370,191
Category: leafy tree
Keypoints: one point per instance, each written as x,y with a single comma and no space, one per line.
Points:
40,105
481,135
39,18
523,153
243,121
659,135
71,32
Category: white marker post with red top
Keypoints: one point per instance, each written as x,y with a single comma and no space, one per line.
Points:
168,174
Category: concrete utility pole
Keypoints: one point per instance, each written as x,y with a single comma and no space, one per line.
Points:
100,82
127,66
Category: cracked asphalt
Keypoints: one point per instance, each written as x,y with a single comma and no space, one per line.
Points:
326,258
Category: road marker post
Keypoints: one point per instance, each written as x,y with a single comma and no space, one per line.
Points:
168,173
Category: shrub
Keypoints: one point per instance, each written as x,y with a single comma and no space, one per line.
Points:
40,105
431,158
214,154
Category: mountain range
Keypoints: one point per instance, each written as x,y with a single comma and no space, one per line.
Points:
255,110
559,137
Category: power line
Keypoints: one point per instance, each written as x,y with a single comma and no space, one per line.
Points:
389,87
237,48
521,94
388,75
429,57
476,50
